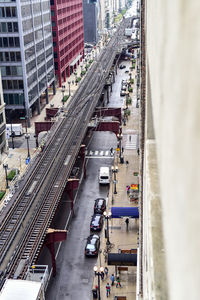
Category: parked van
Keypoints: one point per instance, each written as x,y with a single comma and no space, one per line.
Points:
104,175
16,128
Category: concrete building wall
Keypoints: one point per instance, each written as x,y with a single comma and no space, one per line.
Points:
173,60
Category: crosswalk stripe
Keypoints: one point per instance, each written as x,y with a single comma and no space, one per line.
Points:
96,152
91,152
106,153
101,153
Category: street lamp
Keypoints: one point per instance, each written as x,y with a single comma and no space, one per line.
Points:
63,92
12,132
114,171
69,82
107,217
119,137
27,137
5,166
98,273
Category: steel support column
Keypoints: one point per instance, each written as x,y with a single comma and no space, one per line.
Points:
72,184
53,236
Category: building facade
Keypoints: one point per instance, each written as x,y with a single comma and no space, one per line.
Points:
171,150
3,140
26,54
68,37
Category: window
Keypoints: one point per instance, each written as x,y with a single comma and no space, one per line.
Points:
18,56
10,86
15,27
16,42
1,56
53,23
11,41
54,33
7,56
26,10
3,27
55,55
5,42
38,21
9,24
52,2
8,12
53,13
12,56
28,38
14,11
2,12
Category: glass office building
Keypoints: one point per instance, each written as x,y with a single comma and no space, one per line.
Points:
26,53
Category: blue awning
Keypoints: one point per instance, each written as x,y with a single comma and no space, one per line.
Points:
119,212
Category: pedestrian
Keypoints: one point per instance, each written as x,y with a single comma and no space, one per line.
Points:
102,275
106,271
122,149
138,151
112,278
127,163
127,222
129,138
128,189
111,151
107,289
118,282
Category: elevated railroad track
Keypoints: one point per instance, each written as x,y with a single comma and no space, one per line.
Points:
23,228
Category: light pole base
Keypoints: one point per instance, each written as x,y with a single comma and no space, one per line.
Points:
115,192
107,243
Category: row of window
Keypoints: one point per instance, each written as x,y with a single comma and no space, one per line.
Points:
31,51
8,27
8,12
35,8
37,21
13,99
10,56
63,1
71,17
13,84
62,11
9,42
29,38
72,53
11,71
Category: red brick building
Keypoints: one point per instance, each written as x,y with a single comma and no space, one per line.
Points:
68,38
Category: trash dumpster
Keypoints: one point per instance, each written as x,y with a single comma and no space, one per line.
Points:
94,293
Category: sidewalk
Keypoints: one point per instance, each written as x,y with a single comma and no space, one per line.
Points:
119,236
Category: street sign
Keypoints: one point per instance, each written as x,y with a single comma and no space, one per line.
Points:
117,149
22,118
134,187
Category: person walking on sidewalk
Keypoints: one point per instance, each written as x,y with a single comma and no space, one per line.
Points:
102,275
112,278
106,271
118,282
127,222
107,289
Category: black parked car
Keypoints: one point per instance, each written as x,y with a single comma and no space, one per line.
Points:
96,223
92,245
99,205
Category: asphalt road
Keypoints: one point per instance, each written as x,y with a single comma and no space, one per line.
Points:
74,271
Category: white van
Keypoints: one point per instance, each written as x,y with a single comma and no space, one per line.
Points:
104,175
16,128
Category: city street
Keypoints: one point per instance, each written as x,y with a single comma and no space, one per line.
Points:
75,273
